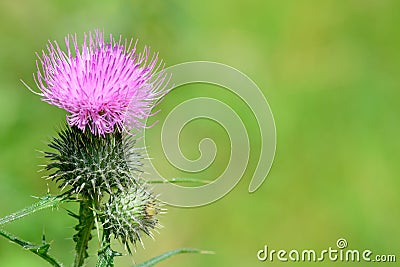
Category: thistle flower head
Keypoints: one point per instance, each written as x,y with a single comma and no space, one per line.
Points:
91,165
129,214
104,85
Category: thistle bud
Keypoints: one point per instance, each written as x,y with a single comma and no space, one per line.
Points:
90,164
131,213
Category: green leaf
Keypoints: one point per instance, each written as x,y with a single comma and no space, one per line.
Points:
106,257
44,203
168,254
40,250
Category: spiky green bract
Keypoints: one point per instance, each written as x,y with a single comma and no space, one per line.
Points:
131,213
92,165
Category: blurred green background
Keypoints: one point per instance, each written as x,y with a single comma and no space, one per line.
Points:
328,69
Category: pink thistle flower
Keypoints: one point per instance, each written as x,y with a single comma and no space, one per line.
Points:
104,85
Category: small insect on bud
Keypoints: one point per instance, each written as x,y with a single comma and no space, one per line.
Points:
131,213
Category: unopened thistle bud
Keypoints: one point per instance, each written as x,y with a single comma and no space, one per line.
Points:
92,164
130,214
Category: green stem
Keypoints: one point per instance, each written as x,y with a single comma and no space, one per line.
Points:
40,250
169,254
44,203
179,180
84,228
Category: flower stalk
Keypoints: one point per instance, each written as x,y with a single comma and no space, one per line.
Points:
84,230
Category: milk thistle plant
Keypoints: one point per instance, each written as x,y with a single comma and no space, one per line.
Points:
108,90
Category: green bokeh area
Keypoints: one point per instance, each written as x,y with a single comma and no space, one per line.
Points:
329,70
